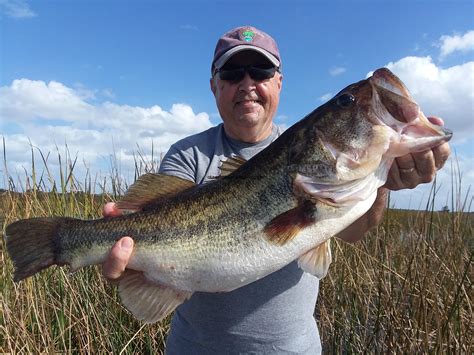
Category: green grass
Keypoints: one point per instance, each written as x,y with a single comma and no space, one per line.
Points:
406,288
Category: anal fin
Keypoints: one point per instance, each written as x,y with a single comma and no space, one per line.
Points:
316,261
148,301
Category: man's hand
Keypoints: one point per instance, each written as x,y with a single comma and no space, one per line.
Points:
410,170
120,253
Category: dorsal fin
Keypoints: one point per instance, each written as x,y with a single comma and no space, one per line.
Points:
231,164
228,166
150,188
287,225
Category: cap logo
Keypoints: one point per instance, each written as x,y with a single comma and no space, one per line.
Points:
247,35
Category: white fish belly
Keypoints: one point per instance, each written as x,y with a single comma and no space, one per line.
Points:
221,268
214,270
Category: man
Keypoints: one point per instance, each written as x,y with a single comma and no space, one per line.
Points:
274,314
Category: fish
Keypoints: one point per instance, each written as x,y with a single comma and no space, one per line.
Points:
284,204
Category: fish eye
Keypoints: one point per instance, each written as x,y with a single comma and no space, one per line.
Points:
345,100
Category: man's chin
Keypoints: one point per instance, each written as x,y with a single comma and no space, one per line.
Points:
248,118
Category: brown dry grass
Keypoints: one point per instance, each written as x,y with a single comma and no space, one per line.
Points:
406,288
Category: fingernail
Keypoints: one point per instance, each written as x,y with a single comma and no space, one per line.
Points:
126,244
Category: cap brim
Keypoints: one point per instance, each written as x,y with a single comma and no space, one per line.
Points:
244,47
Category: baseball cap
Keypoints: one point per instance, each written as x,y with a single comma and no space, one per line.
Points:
245,38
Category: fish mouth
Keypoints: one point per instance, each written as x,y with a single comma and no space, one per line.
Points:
398,127
412,131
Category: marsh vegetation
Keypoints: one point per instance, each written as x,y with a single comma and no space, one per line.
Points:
406,288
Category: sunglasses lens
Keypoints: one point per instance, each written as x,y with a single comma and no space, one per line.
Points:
232,74
260,74
256,73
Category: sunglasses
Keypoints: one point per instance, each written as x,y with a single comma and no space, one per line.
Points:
237,74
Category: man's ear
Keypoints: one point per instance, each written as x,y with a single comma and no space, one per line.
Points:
280,81
213,85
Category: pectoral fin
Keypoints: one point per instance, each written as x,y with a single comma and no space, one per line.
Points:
287,225
317,260
147,301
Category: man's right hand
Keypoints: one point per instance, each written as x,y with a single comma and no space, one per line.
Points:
119,255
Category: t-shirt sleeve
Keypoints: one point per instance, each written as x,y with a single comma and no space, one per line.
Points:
179,162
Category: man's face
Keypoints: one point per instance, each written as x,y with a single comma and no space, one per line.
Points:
247,107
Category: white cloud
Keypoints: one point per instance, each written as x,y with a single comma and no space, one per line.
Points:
16,9
450,44
108,93
444,92
26,99
326,97
334,71
51,115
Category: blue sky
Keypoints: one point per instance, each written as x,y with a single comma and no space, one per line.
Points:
84,71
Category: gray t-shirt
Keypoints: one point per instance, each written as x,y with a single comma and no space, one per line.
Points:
273,315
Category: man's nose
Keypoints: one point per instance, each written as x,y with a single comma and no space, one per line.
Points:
247,84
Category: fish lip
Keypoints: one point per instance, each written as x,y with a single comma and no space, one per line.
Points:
397,101
384,78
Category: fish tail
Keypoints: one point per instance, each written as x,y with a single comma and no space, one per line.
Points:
33,244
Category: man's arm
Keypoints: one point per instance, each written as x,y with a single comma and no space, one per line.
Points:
370,219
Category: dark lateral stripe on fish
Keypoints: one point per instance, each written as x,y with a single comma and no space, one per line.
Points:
33,244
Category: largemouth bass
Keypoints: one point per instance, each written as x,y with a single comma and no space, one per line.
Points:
284,204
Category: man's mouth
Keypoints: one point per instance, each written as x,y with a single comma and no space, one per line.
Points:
248,102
